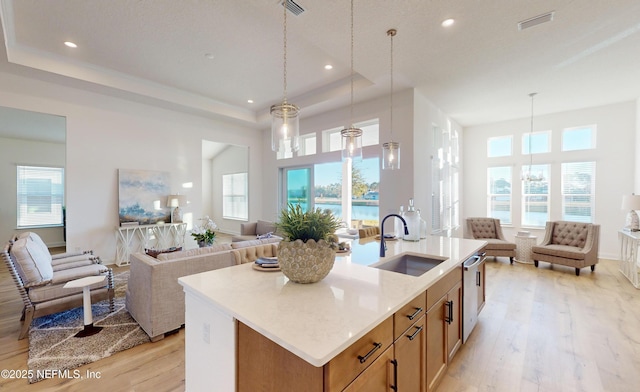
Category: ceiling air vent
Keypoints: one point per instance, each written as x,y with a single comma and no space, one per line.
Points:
293,7
536,20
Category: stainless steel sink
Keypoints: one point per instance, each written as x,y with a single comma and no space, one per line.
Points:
410,264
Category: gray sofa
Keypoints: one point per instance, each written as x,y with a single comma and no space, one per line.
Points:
253,230
154,297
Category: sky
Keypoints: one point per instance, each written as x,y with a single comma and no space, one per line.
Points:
330,173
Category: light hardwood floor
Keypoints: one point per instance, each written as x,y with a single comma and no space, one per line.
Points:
541,330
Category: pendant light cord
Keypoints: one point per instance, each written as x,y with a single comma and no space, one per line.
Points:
284,7
351,112
391,33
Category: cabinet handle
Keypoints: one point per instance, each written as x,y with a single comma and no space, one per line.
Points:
449,318
478,278
376,347
395,375
415,314
413,336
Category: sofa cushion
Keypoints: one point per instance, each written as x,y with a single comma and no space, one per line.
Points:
245,244
483,228
33,260
193,252
564,251
251,254
495,244
56,290
264,227
570,234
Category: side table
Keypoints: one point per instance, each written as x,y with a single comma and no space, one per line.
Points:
85,283
523,248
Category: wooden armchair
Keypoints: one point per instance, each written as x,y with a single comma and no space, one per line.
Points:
574,244
489,229
40,278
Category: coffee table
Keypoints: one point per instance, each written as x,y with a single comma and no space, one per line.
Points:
85,283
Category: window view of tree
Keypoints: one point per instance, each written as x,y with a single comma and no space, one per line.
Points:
364,189
499,193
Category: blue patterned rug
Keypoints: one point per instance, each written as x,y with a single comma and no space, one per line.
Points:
53,347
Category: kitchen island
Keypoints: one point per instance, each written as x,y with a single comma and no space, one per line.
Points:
314,322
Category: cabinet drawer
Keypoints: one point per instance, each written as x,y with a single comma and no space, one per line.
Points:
409,314
441,287
347,365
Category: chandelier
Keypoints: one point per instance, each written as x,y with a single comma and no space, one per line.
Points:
527,174
352,136
285,120
391,150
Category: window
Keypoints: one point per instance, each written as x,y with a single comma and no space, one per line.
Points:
499,147
535,197
499,193
539,142
578,185
40,196
370,132
331,140
445,201
235,204
579,138
307,144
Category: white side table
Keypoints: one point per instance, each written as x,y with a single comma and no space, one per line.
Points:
85,283
523,248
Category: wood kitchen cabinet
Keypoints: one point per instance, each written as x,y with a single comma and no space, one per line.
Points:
411,357
444,326
392,355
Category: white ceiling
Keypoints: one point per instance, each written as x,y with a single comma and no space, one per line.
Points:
480,70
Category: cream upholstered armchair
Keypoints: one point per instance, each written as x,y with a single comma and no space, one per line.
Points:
574,244
488,229
40,276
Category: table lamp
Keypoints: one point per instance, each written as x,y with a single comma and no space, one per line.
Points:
174,202
631,203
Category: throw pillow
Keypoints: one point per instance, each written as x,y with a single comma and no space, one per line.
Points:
33,263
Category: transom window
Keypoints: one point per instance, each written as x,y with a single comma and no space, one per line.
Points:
579,138
499,146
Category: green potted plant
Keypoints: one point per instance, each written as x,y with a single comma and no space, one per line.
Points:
204,234
307,253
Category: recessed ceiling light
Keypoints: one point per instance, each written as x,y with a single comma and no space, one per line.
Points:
328,66
447,22
249,100
70,44
210,56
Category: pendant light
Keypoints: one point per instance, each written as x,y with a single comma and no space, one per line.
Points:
391,150
527,175
352,136
285,120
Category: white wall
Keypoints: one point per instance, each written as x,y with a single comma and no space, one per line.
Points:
614,156
234,159
105,134
32,153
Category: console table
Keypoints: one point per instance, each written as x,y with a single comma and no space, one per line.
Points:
629,243
131,239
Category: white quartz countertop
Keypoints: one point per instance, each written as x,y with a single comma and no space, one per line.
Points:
318,321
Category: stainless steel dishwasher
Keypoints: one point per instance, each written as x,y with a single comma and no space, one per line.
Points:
471,281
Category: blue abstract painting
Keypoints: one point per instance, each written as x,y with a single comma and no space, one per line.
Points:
142,196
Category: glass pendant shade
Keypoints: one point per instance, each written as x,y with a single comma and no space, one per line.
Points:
391,150
285,128
351,143
391,156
